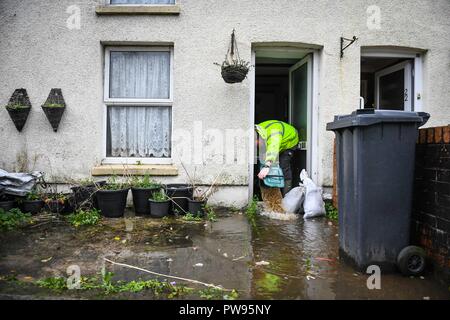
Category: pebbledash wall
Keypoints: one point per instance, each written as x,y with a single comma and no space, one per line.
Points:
431,210
41,49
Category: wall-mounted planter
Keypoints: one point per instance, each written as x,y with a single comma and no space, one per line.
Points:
19,107
54,107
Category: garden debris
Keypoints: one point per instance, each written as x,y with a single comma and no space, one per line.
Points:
239,258
46,260
262,263
117,238
198,265
324,259
218,287
225,255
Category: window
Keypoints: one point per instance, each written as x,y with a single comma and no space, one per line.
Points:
143,2
391,79
138,99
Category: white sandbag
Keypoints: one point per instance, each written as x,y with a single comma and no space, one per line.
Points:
314,206
293,200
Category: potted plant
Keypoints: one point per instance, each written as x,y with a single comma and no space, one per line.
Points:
55,202
54,107
142,188
32,203
19,107
112,198
159,204
179,194
6,202
234,69
84,193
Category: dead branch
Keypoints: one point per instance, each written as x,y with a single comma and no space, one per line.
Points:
209,285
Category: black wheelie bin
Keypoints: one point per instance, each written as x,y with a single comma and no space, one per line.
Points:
375,153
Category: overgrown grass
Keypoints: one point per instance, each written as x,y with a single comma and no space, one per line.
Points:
331,211
210,213
191,217
251,211
104,284
84,217
13,219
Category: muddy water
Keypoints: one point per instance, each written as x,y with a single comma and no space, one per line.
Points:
278,260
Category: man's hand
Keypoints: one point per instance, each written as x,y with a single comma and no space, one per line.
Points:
263,173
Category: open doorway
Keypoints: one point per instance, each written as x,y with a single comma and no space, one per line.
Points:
283,91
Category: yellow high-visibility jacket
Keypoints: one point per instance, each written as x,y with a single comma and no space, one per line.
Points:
279,136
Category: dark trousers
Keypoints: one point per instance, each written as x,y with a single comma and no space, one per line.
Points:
285,164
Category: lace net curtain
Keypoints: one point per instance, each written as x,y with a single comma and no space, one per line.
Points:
139,131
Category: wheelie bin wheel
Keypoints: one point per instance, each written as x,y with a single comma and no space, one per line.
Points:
411,261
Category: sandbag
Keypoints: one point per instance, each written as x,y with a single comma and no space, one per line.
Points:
314,206
293,200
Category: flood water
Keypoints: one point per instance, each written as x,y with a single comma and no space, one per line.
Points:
277,260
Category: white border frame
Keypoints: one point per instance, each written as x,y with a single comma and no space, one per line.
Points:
407,80
417,73
134,102
314,140
108,3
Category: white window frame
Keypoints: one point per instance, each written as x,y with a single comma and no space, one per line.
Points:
415,54
109,3
407,67
136,102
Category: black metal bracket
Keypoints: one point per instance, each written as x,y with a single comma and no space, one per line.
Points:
350,42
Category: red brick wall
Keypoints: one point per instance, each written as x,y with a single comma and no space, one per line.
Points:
431,207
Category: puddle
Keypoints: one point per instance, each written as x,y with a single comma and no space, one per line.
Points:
280,260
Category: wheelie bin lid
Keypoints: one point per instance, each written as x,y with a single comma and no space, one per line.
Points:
368,117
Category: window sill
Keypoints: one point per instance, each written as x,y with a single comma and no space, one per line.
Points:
137,170
138,9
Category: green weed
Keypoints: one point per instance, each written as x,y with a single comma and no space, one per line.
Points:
84,217
12,219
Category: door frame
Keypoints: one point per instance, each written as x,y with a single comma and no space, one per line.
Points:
407,67
313,118
308,60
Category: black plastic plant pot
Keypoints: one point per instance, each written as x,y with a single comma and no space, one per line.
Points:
55,206
32,206
54,115
6,205
140,199
19,116
112,203
84,196
159,209
197,207
180,193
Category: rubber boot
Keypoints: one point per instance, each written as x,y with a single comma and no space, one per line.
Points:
287,187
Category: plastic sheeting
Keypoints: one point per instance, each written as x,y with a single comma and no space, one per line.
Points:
18,184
